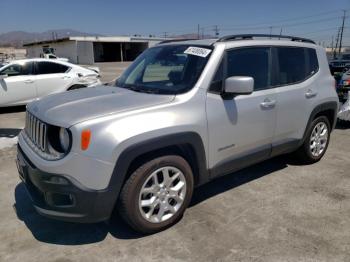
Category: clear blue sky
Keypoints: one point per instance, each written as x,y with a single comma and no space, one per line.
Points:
318,19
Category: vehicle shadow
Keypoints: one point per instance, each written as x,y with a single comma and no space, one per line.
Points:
231,181
64,233
341,124
12,109
9,132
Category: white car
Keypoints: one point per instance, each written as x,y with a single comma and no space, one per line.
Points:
23,81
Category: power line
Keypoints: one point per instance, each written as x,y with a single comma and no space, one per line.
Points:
281,25
271,23
336,45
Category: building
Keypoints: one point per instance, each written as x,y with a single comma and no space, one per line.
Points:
330,51
10,53
93,49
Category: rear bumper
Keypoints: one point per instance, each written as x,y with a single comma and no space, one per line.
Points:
61,197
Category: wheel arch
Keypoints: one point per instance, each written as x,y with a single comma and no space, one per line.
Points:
328,109
186,144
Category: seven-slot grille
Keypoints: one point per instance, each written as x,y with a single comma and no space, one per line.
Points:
36,131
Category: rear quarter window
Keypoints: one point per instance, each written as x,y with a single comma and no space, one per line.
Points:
44,68
295,64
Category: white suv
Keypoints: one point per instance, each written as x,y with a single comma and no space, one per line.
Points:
181,115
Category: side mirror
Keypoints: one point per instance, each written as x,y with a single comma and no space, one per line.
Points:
3,76
239,85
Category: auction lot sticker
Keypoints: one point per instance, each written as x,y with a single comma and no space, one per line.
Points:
198,51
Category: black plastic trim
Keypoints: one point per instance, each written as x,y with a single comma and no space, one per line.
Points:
88,206
320,108
186,138
285,147
234,164
250,37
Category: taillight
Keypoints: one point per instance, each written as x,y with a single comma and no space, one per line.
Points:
346,83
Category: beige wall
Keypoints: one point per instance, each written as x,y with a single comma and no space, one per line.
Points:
14,53
67,49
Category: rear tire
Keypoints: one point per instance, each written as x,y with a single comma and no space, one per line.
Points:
156,195
315,142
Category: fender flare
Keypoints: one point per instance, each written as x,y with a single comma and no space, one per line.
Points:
131,153
320,108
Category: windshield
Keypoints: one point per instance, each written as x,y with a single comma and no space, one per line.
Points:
170,69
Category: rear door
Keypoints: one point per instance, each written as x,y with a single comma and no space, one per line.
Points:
296,89
51,77
19,85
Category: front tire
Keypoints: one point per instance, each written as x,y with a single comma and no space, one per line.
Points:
156,195
316,141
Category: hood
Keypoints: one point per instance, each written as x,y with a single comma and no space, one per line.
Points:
72,107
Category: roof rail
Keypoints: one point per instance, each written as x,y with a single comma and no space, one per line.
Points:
177,40
251,36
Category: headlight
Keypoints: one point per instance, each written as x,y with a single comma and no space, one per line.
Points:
59,141
64,139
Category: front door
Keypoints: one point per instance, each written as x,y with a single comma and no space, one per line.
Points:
241,129
17,85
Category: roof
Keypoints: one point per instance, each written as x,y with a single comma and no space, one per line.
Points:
123,39
41,60
262,38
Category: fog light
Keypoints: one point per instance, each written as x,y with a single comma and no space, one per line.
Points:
57,199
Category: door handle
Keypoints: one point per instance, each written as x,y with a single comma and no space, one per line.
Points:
268,103
65,77
29,81
310,94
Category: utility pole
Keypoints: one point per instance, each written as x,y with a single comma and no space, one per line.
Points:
280,33
336,44
332,43
198,31
342,31
165,34
270,31
216,30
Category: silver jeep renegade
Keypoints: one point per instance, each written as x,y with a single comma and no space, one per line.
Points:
181,115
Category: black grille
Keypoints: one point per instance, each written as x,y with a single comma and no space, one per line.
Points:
36,131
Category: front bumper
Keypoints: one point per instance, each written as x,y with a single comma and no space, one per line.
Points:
60,197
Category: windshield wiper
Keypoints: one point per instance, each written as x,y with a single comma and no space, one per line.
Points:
141,89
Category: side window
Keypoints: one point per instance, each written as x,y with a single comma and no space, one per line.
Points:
217,82
312,61
17,69
44,68
252,62
292,65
